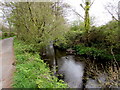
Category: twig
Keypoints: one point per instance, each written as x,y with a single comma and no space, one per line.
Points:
82,6
114,57
78,14
111,14
92,3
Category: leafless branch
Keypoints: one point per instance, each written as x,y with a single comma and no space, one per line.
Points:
112,15
92,3
82,6
114,57
78,14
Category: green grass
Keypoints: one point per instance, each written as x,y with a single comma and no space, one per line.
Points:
7,35
31,71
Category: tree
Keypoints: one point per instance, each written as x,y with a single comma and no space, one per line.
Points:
86,5
86,8
87,18
37,22
119,18
113,8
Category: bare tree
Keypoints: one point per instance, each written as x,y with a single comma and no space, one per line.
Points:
119,10
113,9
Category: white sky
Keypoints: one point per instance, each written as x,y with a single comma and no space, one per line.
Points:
97,10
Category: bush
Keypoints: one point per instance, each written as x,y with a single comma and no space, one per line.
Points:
31,71
7,34
99,54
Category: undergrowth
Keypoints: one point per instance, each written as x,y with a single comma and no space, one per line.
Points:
95,53
31,71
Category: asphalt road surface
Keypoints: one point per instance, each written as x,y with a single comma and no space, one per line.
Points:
6,60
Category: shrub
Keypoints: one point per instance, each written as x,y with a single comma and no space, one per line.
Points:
7,34
94,52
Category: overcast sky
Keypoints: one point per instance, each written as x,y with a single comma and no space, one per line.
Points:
97,10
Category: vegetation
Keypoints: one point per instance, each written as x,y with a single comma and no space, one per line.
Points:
7,35
109,72
100,41
36,24
101,52
33,25
31,71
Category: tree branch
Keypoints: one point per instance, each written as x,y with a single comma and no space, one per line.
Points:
112,15
92,3
114,57
82,6
78,14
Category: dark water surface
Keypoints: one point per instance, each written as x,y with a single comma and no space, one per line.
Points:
72,70
69,68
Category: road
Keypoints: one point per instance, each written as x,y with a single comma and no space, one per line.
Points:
6,60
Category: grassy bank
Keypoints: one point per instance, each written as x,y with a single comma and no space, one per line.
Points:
31,71
6,35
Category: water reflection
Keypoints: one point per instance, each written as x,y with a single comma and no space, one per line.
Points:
72,71
50,53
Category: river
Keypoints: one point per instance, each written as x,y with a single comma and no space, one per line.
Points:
70,68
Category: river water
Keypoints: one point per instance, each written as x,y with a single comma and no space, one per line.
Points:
70,68
72,71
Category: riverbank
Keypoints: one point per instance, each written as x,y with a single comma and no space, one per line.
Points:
31,71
